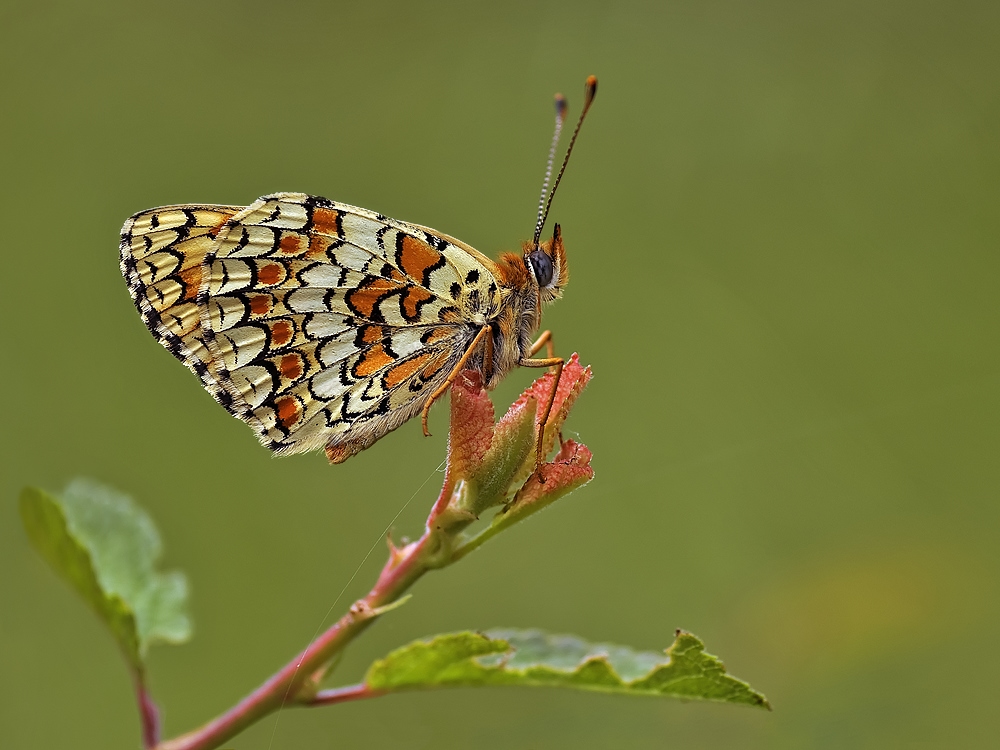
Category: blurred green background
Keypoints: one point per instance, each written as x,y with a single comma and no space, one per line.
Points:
782,222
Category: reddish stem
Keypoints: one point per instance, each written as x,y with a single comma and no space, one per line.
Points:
402,569
149,714
344,694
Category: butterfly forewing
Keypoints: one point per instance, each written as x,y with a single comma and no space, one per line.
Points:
320,324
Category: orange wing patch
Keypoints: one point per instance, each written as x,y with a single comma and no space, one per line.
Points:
291,366
271,274
288,410
415,297
416,258
371,334
369,293
260,304
318,245
281,332
372,361
396,275
326,221
435,366
405,370
290,244
191,278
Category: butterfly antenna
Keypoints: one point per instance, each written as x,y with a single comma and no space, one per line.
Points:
590,92
560,119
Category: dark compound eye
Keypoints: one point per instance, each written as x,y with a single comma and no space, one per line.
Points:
541,264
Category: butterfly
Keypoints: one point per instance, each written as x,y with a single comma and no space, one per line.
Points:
325,325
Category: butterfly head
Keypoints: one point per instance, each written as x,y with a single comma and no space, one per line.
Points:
546,263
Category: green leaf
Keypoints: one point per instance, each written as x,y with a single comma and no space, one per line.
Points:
105,546
536,658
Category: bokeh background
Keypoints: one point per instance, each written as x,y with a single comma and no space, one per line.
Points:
782,221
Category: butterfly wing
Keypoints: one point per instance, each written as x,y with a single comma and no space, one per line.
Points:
162,254
318,323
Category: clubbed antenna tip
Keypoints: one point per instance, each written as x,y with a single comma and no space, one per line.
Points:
544,204
560,119
591,91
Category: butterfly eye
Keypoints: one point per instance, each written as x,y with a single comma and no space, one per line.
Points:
541,266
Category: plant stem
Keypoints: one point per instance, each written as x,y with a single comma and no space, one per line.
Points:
344,694
401,571
149,714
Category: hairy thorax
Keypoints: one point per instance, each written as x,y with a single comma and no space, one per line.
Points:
512,333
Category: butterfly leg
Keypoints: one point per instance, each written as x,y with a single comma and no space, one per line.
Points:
483,332
544,340
556,363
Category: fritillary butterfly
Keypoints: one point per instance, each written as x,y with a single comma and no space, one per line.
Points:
324,325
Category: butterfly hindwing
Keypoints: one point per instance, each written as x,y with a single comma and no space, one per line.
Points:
316,322
162,255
